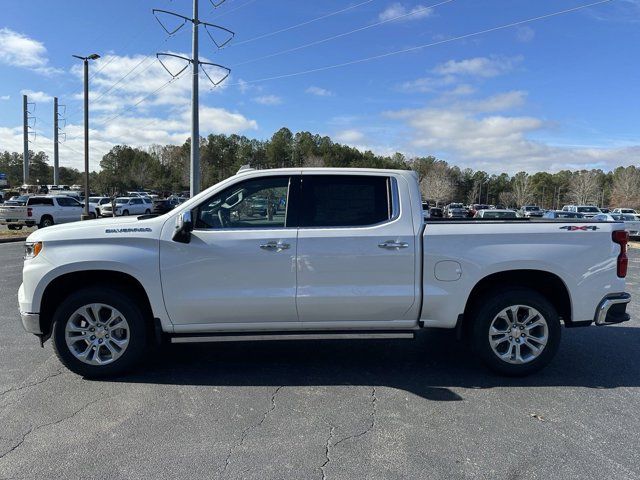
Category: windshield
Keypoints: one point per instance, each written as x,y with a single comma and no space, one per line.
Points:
631,218
531,209
588,209
122,200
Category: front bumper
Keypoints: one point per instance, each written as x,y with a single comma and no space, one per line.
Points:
31,322
612,309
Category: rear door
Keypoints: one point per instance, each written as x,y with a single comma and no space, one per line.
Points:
356,252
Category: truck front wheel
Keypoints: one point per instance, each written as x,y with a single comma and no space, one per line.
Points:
516,332
99,332
46,221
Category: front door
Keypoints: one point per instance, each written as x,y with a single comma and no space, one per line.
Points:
239,267
356,253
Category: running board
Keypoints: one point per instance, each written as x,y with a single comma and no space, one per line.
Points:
292,336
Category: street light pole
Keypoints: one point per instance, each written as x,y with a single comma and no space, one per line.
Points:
85,61
195,120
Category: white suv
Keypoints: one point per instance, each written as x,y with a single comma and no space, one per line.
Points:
589,211
127,206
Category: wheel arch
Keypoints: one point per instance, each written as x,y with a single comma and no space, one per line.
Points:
63,285
547,284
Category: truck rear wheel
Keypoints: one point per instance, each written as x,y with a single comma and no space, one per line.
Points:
99,332
516,332
45,221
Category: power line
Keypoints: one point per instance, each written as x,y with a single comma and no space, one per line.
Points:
426,45
292,27
344,34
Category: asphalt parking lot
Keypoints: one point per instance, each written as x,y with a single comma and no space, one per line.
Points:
321,410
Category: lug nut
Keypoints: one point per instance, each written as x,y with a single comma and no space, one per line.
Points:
107,335
93,337
92,329
100,341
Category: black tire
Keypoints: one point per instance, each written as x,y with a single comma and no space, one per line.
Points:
489,310
92,215
147,212
14,227
125,213
46,221
113,298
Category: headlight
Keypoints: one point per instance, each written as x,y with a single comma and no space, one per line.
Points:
32,249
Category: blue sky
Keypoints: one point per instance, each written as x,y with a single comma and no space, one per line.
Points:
559,92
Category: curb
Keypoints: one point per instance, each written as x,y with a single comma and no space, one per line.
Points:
12,239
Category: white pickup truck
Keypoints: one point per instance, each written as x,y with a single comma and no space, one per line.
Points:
42,211
338,253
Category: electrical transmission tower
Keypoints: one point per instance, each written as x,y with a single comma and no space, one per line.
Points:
27,129
220,36
57,132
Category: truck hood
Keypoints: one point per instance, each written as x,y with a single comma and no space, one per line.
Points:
102,228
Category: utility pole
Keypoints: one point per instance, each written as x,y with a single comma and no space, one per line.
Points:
85,61
196,66
56,173
25,140
195,108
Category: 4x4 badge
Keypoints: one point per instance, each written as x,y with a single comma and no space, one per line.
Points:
573,228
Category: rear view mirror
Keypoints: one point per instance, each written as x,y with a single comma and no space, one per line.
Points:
184,227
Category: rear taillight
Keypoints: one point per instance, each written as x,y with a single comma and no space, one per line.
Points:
621,237
29,212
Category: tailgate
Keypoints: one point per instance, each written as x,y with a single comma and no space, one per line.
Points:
13,214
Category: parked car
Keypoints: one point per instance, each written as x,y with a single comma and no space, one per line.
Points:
160,207
631,222
623,210
41,210
96,204
605,210
20,200
476,207
436,212
366,266
528,211
126,206
588,211
495,214
455,210
562,214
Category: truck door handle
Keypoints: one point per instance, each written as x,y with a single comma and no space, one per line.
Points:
274,246
390,244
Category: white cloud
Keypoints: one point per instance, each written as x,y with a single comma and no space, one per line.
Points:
268,100
18,50
5,97
478,66
471,134
397,9
37,96
350,136
319,92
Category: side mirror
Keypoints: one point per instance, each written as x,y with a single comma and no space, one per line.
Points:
184,227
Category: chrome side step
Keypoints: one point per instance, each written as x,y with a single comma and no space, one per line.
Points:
292,336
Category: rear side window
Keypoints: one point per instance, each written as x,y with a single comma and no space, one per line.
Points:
40,201
344,200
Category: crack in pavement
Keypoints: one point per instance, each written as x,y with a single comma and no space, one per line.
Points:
33,429
327,451
29,385
246,431
374,401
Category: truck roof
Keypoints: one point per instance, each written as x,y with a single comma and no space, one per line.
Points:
298,171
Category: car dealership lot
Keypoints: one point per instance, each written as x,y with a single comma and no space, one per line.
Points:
331,409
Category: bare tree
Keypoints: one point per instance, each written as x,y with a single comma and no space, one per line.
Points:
474,192
507,199
626,187
584,188
522,189
437,185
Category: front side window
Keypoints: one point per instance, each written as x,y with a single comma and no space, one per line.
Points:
257,203
67,202
344,200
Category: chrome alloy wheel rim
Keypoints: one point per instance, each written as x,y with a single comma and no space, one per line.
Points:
97,334
518,334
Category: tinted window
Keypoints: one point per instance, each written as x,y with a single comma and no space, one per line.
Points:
40,201
344,200
588,209
136,201
258,203
67,202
